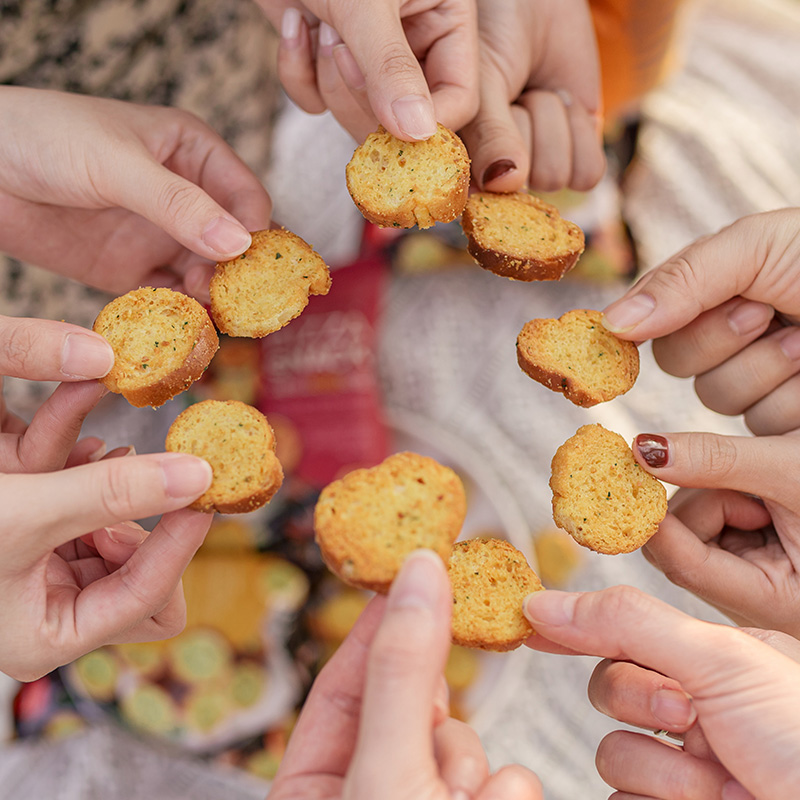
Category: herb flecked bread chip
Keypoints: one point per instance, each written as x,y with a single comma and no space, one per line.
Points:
490,579
601,496
401,184
163,341
520,236
237,441
268,285
577,356
367,522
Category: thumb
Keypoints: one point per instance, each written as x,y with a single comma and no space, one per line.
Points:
396,87
763,465
755,257
500,156
403,677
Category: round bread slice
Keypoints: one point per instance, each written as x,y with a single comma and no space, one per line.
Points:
238,443
163,341
601,496
401,184
521,237
268,285
490,579
367,522
577,356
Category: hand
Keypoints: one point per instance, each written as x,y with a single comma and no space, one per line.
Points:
402,63
733,536
711,312
75,572
742,693
647,699
370,727
539,119
118,195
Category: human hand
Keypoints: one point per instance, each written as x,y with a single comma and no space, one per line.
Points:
646,699
539,119
741,693
373,726
402,63
75,572
732,537
118,195
711,311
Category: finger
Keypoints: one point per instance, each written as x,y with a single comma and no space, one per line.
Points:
95,496
513,782
86,451
499,153
45,350
551,159
782,642
106,609
637,696
722,462
54,430
778,412
642,765
117,543
406,661
461,759
713,337
754,257
334,706
588,156
296,69
395,84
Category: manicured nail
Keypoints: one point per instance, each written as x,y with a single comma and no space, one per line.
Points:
416,584
790,344
748,316
733,790
414,116
85,356
328,39
673,708
226,238
497,169
550,607
290,27
126,533
654,449
185,475
626,314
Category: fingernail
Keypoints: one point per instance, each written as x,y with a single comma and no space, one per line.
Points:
328,38
122,452
733,790
416,585
185,475
747,317
414,116
626,314
654,449
98,452
126,533
290,27
441,700
566,97
348,68
497,170
85,356
226,238
550,607
673,708
790,344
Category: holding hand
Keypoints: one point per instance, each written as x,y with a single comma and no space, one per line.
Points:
725,310
75,572
117,195
735,699
373,725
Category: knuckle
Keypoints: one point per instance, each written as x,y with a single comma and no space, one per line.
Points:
712,454
117,491
396,62
18,347
178,201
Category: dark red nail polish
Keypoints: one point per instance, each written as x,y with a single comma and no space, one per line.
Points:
497,170
654,449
